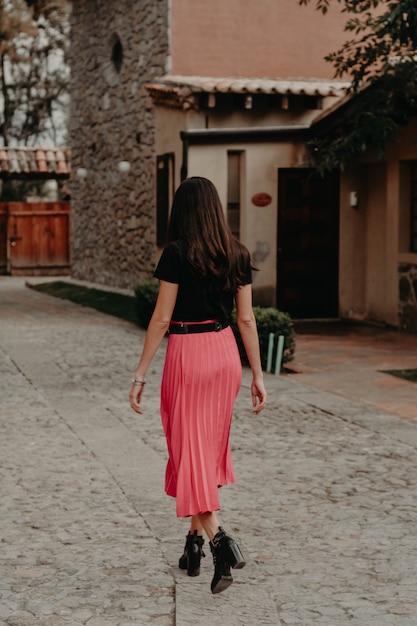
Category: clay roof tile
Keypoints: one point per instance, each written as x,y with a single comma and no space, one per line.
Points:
25,162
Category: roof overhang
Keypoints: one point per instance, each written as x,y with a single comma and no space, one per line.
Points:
184,91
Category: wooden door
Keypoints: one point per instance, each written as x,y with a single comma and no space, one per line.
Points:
37,238
308,244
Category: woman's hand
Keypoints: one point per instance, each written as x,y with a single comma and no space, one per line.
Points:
259,395
135,396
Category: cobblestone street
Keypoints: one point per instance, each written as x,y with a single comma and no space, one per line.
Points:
324,506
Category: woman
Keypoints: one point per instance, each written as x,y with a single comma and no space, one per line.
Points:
203,272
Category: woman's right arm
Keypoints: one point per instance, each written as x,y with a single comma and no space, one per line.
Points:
247,327
157,329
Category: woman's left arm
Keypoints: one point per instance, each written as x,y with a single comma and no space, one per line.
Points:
247,327
157,329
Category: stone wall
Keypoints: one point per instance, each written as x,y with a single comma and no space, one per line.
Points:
408,297
118,46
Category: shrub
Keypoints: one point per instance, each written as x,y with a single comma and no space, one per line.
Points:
269,320
146,294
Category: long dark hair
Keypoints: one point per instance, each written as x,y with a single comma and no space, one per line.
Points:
214,253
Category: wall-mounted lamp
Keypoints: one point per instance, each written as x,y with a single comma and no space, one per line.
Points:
248,102
354,199
285,103
124,167
81,172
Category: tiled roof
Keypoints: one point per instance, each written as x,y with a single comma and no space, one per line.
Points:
182,87
35,162
309,87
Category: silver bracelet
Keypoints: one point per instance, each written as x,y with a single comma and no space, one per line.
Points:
138,382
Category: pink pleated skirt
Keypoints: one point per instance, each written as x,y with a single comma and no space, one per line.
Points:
201,379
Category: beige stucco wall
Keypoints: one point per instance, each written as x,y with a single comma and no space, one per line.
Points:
259,173
352,251
391,222
377,259
369,245
374,237
167,136
401,153
263,116
260,163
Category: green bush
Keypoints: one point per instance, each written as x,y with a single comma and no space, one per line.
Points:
146,294
269,320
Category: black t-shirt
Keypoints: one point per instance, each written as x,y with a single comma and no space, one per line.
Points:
195,302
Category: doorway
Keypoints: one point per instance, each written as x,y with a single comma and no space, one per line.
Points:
308,244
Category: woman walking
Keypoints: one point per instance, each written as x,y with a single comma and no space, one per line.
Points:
203,272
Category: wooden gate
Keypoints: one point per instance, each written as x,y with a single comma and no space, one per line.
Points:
34,238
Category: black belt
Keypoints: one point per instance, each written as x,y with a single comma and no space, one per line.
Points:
186,329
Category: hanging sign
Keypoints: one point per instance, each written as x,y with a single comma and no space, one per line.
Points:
261,199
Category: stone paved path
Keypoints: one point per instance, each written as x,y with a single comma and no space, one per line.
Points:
325,504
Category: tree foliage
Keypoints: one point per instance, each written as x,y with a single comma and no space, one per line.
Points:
380,57
34,73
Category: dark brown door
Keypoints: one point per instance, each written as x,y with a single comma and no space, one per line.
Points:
308,244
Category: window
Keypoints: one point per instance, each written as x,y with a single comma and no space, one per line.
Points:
233,192
164,195
117,53
413,225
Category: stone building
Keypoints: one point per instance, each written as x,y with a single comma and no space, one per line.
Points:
166,89
118,49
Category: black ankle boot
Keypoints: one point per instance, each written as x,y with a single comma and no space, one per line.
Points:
193,551
226,554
